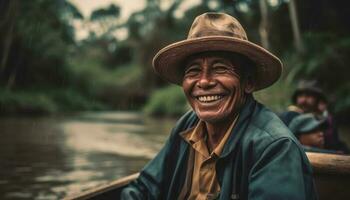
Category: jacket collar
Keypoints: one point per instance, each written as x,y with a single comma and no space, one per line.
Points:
240,126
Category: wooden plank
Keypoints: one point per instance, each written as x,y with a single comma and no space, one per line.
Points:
104,188
332,175
329,163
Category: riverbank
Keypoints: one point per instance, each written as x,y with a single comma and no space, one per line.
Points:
46,102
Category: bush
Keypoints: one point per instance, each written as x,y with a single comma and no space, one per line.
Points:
277,97
45,101
24,102
168,101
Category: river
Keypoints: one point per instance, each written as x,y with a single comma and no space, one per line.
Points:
52,157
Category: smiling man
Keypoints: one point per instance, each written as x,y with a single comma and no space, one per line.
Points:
229,146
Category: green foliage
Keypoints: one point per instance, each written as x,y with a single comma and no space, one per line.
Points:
121,55
328,65
72,11
36,45
342,106
38,51
277,97
25,102
119,86
168,101
45,101
111,11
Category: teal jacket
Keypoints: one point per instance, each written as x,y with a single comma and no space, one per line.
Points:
261,160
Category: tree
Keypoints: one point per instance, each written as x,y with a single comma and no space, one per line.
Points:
295,26
107,18
34,45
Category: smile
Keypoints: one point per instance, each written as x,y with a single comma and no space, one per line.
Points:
209,98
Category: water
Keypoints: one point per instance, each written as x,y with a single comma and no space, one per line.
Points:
52,157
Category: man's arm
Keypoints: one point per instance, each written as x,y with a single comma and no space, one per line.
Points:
153,178
149,183
282,172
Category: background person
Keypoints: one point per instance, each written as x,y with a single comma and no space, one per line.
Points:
331,136
310,132
304,100
310,98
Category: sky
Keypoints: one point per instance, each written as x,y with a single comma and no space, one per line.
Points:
127,7
87,6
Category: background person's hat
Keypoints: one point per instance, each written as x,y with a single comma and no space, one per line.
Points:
310,87
306,123
216,32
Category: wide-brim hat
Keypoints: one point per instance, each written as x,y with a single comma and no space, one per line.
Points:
310,87
216,32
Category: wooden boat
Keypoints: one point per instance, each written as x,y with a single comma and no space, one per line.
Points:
331,175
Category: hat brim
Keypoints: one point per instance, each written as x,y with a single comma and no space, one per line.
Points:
315,125
168,62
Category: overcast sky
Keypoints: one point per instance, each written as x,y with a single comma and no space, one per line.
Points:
127,7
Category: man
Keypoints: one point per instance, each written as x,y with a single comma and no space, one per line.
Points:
229,146
309,131
310,98
305,100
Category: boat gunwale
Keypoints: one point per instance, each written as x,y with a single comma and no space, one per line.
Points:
322,164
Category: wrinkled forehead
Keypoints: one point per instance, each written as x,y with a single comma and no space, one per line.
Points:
240,62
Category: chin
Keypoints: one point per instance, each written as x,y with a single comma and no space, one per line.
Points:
212,118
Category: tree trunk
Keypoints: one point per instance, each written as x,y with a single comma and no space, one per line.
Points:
264,24
7,25
295,27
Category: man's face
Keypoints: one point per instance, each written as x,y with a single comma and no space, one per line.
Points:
213,85
313,139
307,102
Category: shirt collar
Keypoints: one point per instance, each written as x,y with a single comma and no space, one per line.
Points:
197,136
218,149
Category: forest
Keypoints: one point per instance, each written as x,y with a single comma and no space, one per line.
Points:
44,69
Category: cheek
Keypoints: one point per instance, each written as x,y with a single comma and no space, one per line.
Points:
236,87
187,86
230,82
300,100
236,95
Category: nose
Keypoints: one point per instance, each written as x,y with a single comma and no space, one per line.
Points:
206,81
321,133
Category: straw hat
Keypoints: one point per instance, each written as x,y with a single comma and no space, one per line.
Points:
216,32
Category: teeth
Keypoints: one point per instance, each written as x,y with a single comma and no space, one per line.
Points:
209,98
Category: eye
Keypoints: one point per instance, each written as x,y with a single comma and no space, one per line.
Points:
193,70
221,68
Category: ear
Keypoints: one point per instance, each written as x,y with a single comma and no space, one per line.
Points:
249,85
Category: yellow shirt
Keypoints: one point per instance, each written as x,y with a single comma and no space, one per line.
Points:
201,182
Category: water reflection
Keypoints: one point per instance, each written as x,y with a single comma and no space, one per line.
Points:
51,157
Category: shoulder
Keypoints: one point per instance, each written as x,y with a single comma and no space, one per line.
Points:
266,129
268,125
